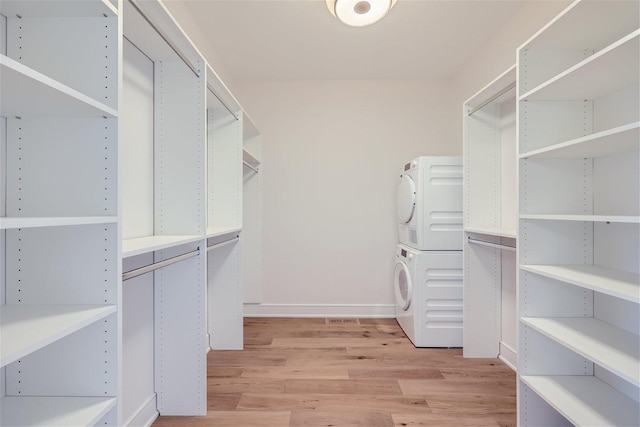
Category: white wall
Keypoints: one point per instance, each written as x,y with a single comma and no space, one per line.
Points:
332,152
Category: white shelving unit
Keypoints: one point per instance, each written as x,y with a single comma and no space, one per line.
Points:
59,215
490,219
77,208
224,216
252,213
579,175
163,192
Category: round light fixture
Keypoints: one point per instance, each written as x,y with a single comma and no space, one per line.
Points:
360,13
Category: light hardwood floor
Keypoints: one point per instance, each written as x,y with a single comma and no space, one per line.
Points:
319,372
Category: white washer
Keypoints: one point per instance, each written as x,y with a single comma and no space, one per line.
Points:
430,203
428,288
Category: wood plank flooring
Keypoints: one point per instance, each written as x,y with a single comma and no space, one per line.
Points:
322,372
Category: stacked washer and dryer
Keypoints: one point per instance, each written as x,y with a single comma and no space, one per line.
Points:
428,270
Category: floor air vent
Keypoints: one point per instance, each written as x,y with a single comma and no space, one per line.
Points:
342,321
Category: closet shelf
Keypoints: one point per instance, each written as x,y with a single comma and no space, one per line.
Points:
612,348
221,231
584,80
33,222
57,8
492,232
27,328
54,411
249,159
575,28
608,142
143,245
619,284
487,93
585,400
631,219
28,93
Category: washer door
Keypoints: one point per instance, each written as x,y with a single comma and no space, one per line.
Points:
402,285
406,199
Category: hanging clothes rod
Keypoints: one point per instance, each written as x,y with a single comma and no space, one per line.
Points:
250,167
491,245
493,98
213,92
225,243
166,38
156,265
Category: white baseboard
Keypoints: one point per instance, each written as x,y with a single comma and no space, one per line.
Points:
146,415
509,356
319,310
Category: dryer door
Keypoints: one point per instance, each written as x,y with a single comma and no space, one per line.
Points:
406,199
402,285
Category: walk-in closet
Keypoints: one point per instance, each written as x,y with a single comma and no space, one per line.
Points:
287,213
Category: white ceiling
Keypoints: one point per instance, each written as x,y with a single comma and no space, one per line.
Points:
300,39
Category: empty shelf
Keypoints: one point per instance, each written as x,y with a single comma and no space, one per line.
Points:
585,400
27,328
592,218
221,231
612,348
57,8
616,283
585,79
33,222
143,245
249,159
498,232
54,411
621,139
28,93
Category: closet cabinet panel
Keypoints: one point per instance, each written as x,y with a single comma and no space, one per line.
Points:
139,397
86,64
225,294
137,155
43,176
85,354
224,216
578,279
251,213
224,168
36,258
179,150
490,218
180,332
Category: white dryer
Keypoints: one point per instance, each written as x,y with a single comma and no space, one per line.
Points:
428,288
430,203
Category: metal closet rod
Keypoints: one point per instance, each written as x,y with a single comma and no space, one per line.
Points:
156,265
225,243
250,167
213,92
493,98
166,38
491,245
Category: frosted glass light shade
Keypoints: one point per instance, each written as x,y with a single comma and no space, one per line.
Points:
360,13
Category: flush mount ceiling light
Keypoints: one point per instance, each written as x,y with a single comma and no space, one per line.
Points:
360,13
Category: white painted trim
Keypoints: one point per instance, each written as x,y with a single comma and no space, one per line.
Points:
319,310
146,415
508,356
